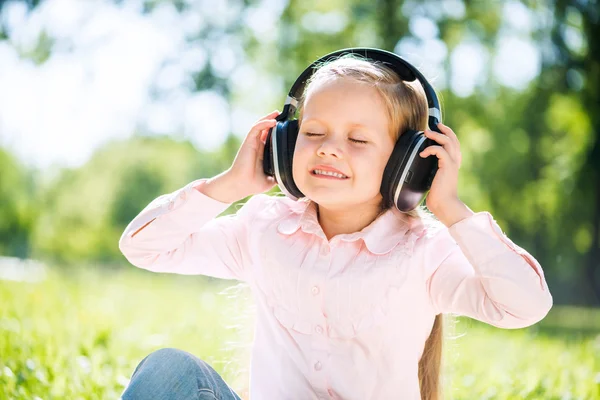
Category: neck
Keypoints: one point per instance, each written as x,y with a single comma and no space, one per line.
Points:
349,220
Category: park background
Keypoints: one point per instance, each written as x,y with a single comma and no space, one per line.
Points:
104,105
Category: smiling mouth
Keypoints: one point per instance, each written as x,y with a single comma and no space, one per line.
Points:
327,174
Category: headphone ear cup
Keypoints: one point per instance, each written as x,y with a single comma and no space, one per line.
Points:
290,136
268,164
397,164
287,134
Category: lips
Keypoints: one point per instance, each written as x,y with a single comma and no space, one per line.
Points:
329,175
327,168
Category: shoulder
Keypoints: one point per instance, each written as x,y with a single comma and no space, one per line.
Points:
431,236
266,207
433,244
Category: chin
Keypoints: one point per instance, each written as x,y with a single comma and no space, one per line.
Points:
321,194
330,196
326,198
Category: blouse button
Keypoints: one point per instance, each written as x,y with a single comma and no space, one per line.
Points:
319,329
315,290
182,195
318,366
324,251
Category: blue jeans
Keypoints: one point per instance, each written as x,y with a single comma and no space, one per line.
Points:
173,374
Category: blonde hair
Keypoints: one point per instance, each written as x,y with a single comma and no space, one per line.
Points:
406,106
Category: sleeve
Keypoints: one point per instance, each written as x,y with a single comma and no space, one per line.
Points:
480,273
180,233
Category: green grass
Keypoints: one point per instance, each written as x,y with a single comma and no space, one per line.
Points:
79,335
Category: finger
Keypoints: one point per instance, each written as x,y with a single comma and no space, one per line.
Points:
263,135
269,116
437,151
438,137
256,130
447,131
261,146
262,125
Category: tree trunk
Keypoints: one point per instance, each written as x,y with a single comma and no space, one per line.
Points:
391,28
593,261
592,172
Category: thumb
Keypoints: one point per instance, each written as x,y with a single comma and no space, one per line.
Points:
263,135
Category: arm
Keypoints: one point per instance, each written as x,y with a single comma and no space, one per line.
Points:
481,273
179,233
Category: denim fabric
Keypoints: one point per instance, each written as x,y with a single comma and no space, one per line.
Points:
173,374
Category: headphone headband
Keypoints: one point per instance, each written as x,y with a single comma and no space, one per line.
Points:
403,68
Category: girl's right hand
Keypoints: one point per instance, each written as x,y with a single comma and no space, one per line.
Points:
247,167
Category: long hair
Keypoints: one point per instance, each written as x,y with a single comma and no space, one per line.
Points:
406,107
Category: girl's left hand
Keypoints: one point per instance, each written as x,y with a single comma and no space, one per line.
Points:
443,192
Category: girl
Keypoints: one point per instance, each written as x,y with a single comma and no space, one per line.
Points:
350,295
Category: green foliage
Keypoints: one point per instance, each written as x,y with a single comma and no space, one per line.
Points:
80,333
17,214
86,209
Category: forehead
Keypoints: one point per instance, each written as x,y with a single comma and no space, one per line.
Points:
346,101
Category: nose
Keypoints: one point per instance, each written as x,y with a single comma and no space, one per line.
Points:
329,147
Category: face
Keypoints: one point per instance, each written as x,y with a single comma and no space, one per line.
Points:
344,126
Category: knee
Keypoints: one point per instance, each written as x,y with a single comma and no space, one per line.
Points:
165,371
168,353
170,362
170,358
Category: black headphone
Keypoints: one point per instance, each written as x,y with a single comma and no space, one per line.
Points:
407,176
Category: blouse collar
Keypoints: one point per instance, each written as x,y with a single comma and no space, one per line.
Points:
381,236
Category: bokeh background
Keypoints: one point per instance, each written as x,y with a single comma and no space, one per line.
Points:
104,105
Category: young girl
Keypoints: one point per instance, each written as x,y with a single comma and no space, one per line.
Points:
349,295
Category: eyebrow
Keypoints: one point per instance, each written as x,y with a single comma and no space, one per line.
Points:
352,124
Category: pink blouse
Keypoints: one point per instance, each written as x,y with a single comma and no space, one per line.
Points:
345,318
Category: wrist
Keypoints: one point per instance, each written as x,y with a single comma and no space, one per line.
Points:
222,187
453,212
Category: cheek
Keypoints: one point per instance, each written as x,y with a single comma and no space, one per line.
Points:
300,157
370,165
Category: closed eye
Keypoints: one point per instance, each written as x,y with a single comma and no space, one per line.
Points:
352,140
358,141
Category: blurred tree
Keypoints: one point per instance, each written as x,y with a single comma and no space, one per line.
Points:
86,209
575,34
17,214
